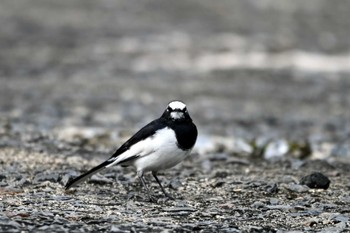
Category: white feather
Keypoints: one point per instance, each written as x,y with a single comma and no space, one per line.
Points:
177,105
176,115
155,153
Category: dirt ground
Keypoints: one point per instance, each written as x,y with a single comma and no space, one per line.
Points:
266,83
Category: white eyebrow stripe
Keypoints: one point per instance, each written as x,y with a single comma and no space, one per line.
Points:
177,105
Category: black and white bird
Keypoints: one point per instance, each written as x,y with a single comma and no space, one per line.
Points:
160,145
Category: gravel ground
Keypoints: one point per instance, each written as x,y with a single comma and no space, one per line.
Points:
266,82
241,195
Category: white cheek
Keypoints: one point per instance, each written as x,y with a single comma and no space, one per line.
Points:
176,115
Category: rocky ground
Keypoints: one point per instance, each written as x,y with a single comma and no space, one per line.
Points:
266,82
215,193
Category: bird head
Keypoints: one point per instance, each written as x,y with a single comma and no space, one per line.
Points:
176,111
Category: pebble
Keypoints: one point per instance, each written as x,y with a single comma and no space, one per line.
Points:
258,204
273,189
316,180
115,228
2,177
213,144
3,184
175,184
67,176
230,229
279,207
297,188
100,179
218,157
179,209
9,226
21,180
341,150
206,165
274,201
41,177
216,183
276,149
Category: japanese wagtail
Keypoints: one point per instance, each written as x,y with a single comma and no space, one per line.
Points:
161,144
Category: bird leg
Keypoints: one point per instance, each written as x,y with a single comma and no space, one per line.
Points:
140,175
160,184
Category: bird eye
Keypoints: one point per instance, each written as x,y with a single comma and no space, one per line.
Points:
169,109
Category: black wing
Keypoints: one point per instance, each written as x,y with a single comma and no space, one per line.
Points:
147,131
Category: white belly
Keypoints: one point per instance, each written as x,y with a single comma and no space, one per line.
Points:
162,152
155,153
162,159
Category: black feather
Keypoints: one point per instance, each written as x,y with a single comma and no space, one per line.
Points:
147,131
86,175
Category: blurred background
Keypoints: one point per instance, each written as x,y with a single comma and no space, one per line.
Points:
90,72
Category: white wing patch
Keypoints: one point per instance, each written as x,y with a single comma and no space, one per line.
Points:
154,153
177,105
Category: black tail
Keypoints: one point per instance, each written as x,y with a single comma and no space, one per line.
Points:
86,175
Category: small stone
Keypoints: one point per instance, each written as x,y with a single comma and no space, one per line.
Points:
273,189
175,184
11,225
341,150
68,176
297,188
257,204
230,229
279,207
205,144
3,184
297,164
206,165
341,218
218,157
21,180
340,225
274,201
288,179
100,179
115,228
256,229
179,209
39,178
316,180
217,183
2,177
221,174
242,147
276,149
